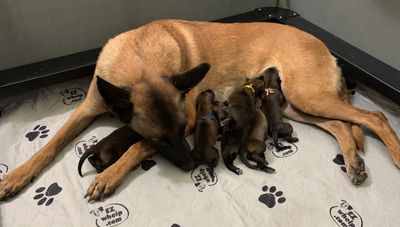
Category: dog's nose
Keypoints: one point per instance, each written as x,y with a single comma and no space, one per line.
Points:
214,162
188,165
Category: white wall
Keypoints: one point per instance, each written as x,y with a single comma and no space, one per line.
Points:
371,25
35,30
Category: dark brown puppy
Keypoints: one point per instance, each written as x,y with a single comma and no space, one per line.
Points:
207,128
230,138
272,104
109,149
241,106
253,146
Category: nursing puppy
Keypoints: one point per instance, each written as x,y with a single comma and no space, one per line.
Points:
148,78
230,139
110,149
272,108
253,146
241,105
207,129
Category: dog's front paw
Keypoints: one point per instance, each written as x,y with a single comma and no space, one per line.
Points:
356,170
15,181
104,184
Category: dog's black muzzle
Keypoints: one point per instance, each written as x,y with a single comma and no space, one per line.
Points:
178,152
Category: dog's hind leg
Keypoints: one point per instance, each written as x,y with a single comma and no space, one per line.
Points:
342,132
80,119
329,106
276,142
229,154
358,135
356,130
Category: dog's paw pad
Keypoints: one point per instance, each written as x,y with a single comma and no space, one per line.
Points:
271,196
47,197
38,131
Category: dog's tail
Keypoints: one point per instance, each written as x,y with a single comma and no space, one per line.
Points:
245,160
85,155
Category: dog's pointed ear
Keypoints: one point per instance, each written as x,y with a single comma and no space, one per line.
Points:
189,79
116,99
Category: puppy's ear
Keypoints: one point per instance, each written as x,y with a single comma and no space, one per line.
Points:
187,80
116,99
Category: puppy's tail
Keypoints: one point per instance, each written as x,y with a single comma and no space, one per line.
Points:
85,155
245,160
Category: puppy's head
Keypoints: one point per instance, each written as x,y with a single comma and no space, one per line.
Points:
206,97
155,108
258,85
271,77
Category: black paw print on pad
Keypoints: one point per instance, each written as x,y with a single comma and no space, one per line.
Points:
38,130
351,86
269,199
175,225
51,191
339,160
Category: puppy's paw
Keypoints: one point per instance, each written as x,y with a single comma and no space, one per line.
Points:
281,148
268,169
239,171
356,170
104,184
15,181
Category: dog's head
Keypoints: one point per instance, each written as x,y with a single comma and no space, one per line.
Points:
155,108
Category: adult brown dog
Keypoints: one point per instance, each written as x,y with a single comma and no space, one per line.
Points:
146,90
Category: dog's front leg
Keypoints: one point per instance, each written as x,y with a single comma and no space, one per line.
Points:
106,182
21,176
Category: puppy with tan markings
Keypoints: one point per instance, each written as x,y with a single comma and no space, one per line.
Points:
110,149
229,137
155,73
253,145
242,106
272,108
207,129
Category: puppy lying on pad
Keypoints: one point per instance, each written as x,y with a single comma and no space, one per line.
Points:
207,129
110,149
241,132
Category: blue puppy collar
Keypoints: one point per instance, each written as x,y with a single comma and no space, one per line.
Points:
208,117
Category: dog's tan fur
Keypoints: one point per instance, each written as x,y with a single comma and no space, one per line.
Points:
311,83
